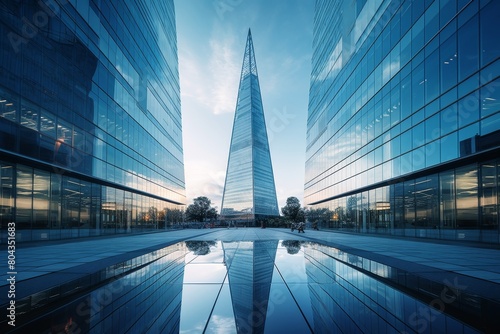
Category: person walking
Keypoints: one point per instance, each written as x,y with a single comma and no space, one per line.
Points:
301,227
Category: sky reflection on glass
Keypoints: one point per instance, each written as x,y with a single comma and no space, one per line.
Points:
294,287
263,286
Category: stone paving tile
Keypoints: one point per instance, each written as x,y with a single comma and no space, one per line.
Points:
75,253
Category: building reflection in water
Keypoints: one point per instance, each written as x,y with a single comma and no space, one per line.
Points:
296,287
249,287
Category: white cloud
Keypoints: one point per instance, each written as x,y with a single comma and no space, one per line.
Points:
225,71
191,76
222,325
212,79
204,180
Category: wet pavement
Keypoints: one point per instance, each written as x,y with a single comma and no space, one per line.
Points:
345,281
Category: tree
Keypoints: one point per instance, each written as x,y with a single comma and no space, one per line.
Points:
292,210
292,246
173,215
200,247
200,209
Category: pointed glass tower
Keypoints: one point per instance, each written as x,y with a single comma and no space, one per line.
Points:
249,191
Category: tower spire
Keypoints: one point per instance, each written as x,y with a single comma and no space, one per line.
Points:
249,64
249,190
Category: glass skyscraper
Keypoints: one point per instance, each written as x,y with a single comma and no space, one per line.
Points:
403,130
249,190
90,119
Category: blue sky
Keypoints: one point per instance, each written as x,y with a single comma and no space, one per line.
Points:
211,36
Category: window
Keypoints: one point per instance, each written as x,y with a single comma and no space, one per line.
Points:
41,199
447,11
6,193
489,32
432,128
48,124
8,106
417,85
449,119
449,145
409,204
70,203
432,82
468,49
406,95
24,197
448,63
29,115
417,34
490,98
490,124
468,109
431,21
467,197
489,196
447,199
406,141
426,202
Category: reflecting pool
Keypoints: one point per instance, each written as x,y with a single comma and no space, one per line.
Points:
267,286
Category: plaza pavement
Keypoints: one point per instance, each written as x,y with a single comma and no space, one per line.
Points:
45,266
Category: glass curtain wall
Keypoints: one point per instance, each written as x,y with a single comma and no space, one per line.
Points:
405,95
90,117
459,204
51,206
249,190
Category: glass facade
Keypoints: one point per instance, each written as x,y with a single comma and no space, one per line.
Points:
403,130
249,191
90,119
